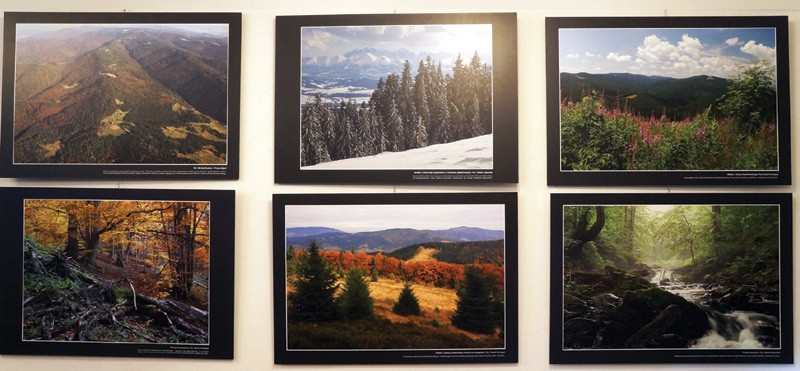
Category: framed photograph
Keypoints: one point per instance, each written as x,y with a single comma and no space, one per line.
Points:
396,98
117,272
395,278
121,95
668,101
671,278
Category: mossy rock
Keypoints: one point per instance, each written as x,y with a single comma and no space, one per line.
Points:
693,322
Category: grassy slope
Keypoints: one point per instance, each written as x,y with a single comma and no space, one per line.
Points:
431,330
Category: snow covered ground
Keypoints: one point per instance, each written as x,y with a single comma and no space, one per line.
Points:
473,153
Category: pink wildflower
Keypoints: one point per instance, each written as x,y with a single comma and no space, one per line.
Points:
771,128
701,133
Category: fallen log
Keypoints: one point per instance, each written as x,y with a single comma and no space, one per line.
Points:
176,308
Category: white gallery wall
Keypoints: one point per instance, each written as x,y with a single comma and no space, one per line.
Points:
253,287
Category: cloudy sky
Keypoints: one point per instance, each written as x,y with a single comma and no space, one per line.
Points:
365,218
664,52
454,38
30,29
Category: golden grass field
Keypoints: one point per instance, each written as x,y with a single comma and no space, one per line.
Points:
432,329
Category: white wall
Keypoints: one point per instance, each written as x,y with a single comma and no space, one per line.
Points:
253,323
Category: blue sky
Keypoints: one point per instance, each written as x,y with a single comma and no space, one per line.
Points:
453,38
30,29
365,218
674,52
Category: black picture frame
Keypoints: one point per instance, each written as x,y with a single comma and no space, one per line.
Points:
709,352
218,162
507,353
288,71
774,171
220,328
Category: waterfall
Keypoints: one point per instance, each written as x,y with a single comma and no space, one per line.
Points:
738,329
734,330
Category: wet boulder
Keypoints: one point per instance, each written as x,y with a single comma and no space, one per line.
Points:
668,341
659,326
720,291
738,298
573,306
693,321
618,281
606,301
579,333
643,319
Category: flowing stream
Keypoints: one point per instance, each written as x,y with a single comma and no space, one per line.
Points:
737,329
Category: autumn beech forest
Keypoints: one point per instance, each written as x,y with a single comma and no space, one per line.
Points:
116,271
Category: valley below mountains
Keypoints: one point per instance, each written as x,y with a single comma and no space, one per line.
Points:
138,95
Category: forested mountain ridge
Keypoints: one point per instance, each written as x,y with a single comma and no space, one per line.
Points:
389,239
457,252
137,95
310,231
678,98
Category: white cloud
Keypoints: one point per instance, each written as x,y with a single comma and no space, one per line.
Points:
760,51
573,56
690,45
317,40
589,54
689,57
619,57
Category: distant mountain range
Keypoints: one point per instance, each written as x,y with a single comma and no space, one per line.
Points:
648,95
384,240
121,95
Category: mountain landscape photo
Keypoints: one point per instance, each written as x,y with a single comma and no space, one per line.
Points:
395,276
128,94
668,99
370,90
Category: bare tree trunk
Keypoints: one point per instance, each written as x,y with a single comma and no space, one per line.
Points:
184,242
716,229
631,230
92,244
71,249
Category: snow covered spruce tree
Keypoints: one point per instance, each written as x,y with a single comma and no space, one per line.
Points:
313,148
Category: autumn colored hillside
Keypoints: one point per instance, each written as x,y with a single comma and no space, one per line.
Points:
108,95
342,300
